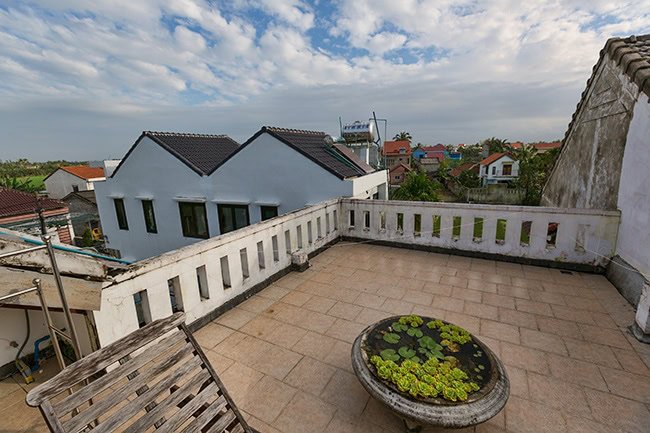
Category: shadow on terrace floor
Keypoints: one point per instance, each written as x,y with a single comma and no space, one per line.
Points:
284,354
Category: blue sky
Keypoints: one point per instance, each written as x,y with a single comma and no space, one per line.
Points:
81,80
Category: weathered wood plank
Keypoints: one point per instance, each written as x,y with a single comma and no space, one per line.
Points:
176,420
213,373
51,419
223,422
200,421
86,393
168,403
128,388
133,407
237,429
97,361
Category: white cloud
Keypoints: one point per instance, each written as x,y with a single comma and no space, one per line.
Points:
174,53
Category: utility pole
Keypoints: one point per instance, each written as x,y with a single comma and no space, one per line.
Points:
41,217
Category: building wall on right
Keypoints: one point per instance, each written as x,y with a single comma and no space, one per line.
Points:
633,245
586,174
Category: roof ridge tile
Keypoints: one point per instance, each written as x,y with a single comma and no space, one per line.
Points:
291,130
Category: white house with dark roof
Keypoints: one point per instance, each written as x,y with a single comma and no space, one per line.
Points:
171,190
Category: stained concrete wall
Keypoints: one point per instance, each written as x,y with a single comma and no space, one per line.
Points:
588,169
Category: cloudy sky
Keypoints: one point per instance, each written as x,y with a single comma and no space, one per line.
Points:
81,79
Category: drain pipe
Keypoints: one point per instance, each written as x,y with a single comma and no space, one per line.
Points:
20,365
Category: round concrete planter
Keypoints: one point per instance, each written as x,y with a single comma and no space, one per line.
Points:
478,408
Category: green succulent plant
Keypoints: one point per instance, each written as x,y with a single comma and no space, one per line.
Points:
399,327
414,332
414,320
431,379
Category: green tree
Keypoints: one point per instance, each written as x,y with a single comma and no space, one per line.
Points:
443,171
531,174
417,187
496,145
402,136
471,153
469,179
16,183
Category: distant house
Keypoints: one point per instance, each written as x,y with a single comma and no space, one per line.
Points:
398,174
397,152
171,190
65,180
84,214
474,166
501,167
539,147
418,153
18,212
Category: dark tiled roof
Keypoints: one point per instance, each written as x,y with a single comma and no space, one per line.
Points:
313,145
88,196
349,154
14,202
202,153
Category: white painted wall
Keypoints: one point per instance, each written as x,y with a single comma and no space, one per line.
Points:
488,177
117,316
61,183
634,191
14,328
265,172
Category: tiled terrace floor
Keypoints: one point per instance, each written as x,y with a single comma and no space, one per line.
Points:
284,354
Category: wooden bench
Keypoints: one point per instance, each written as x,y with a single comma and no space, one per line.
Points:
156,379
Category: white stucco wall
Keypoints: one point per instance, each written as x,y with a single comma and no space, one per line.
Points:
14,328
61,183
634,191
266,172
494,178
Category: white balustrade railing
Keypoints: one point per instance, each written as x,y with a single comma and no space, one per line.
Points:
579,236
202,277
205,275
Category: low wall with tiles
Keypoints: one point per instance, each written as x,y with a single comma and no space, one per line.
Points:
202,277
582,237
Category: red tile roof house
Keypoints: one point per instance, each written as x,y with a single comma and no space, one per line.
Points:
397,152
398,174
18,212
438,151
540,147
65,180
500,167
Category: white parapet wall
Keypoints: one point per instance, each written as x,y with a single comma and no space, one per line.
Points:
577,236
118,316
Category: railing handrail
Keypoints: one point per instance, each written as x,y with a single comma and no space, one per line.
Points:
486,207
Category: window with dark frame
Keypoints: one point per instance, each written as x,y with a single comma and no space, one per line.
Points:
194,220
232,217
268,212
120,211
149,216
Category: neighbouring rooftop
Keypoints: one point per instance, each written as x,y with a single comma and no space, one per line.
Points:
284,354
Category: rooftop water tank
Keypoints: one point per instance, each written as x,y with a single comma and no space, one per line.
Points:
359,132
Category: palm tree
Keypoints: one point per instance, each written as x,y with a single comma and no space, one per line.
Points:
417,187
402,136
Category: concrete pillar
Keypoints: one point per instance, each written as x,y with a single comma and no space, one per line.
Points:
641,326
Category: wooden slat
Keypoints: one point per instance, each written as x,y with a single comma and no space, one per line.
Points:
133,407
237,429
200,421
97,361
125,390
220,384
86,393
168,403
51,419
177,420
225,420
